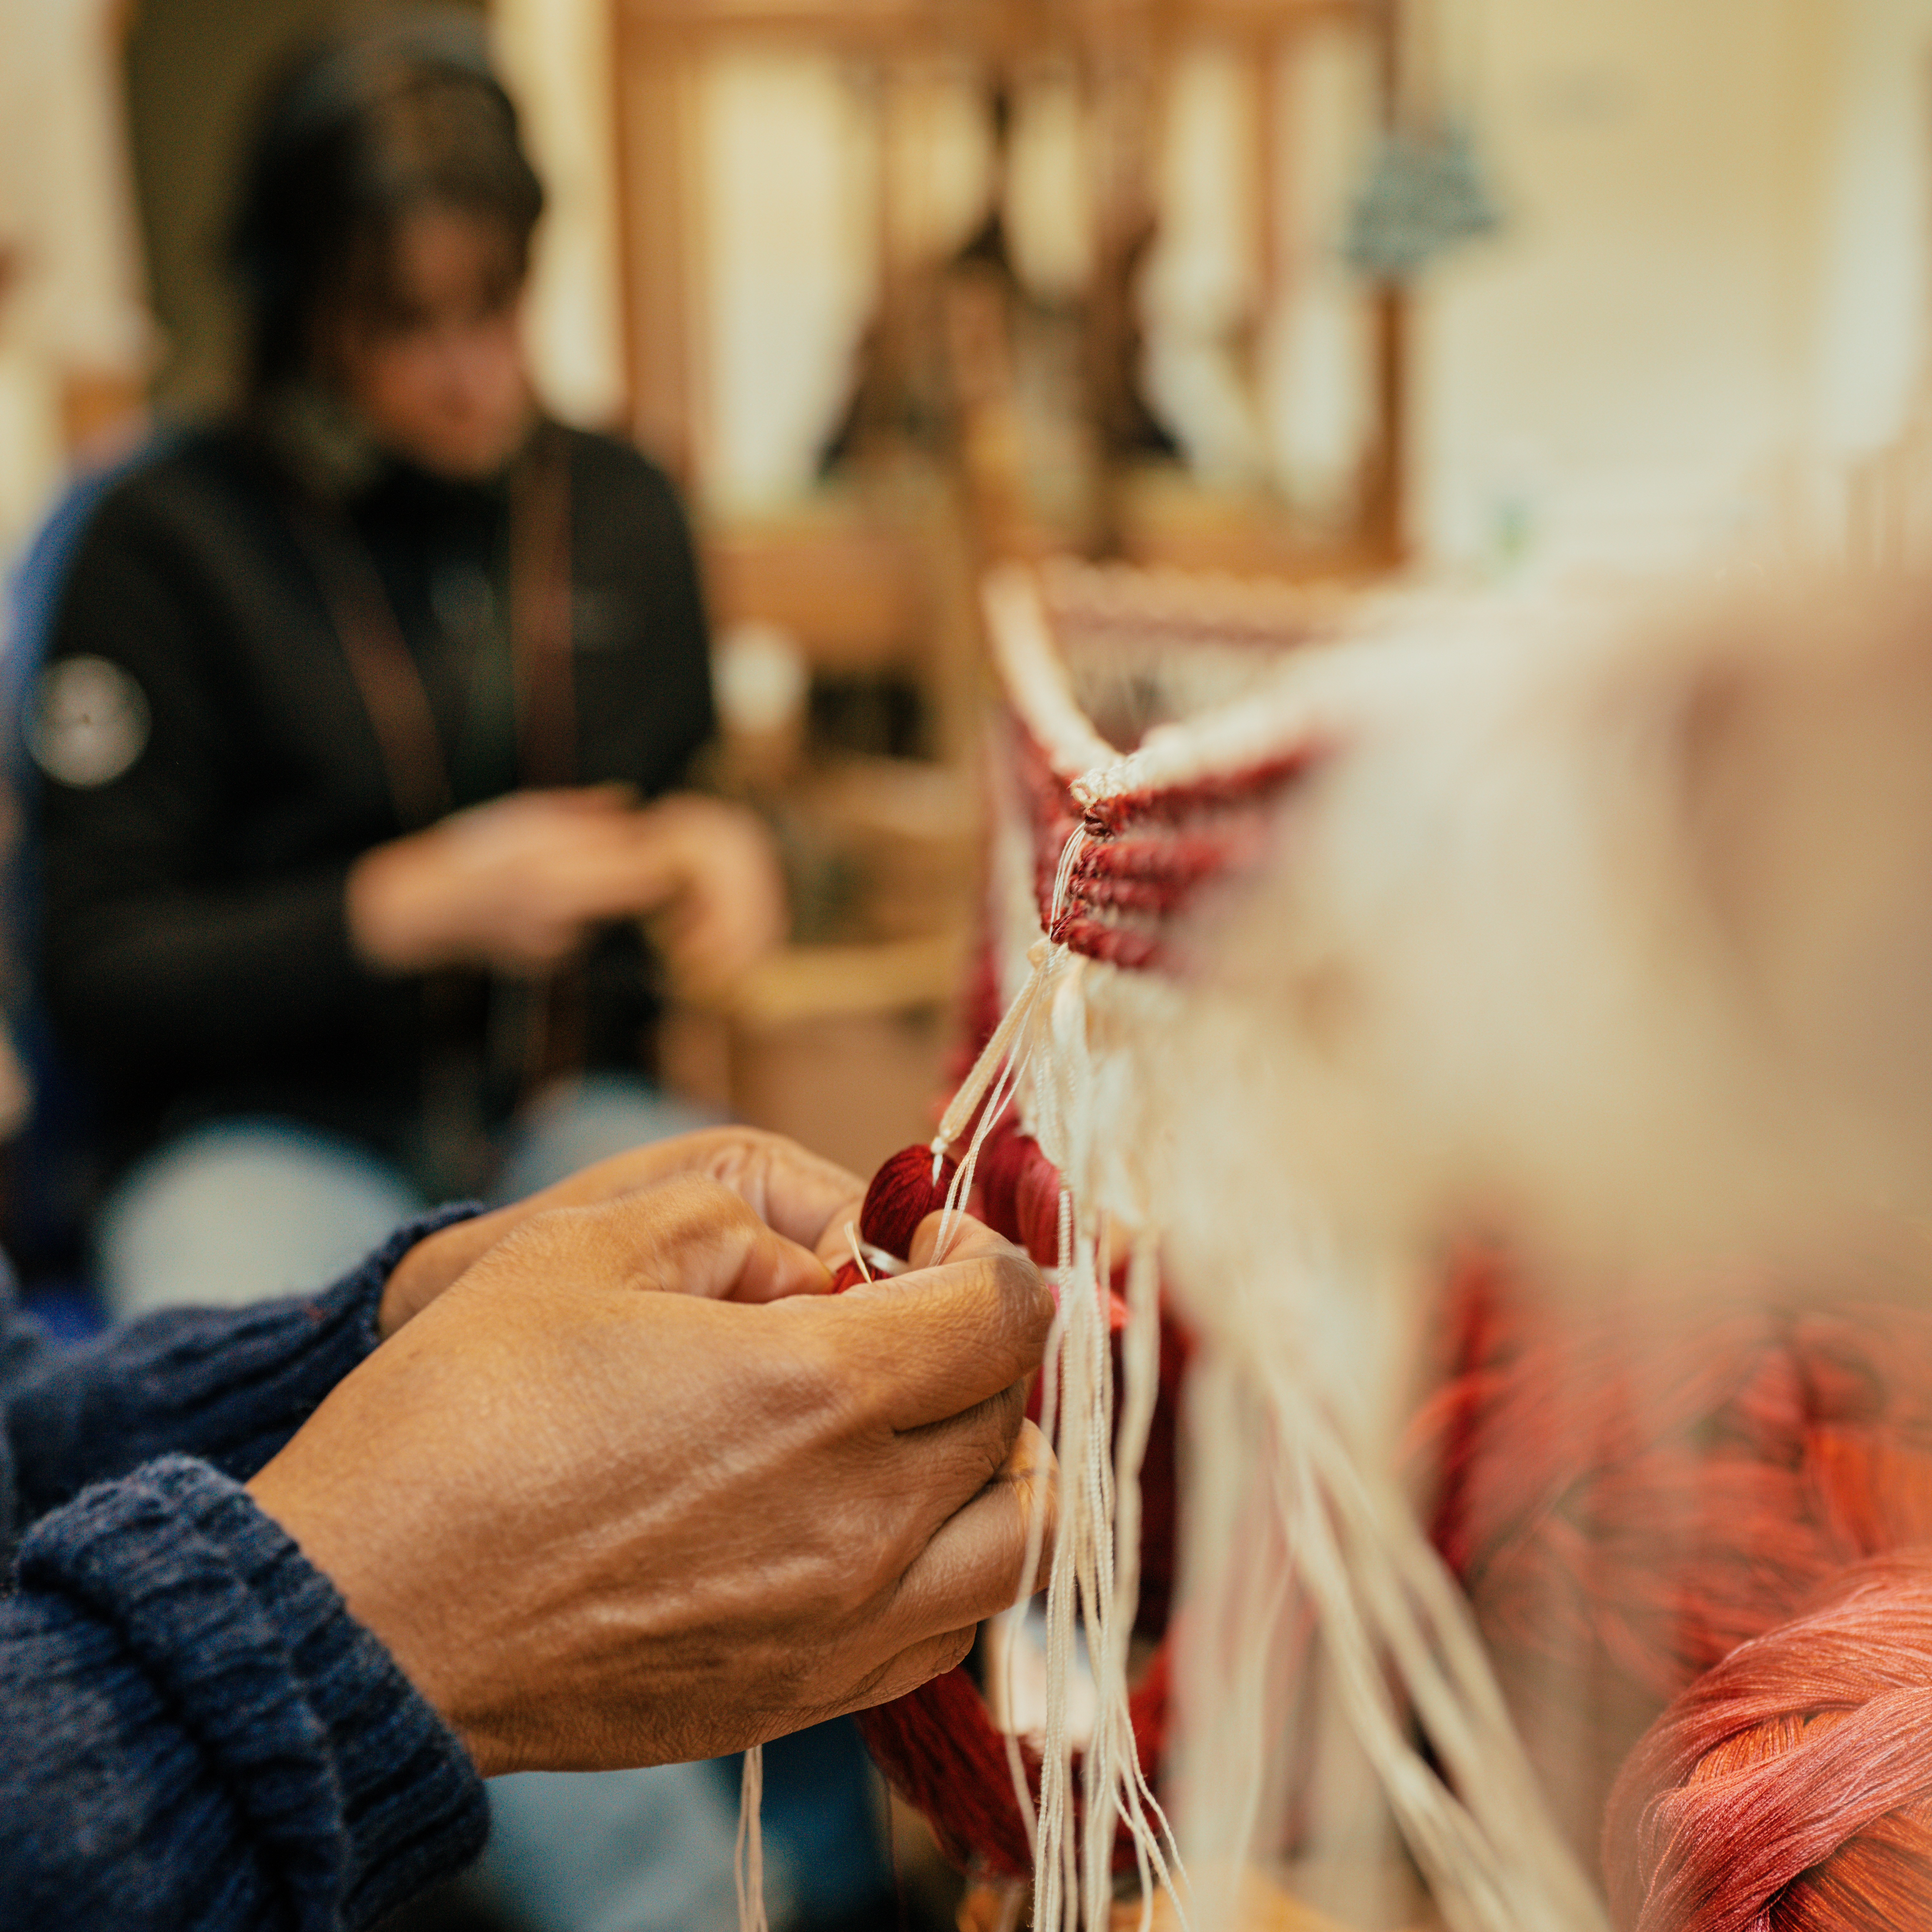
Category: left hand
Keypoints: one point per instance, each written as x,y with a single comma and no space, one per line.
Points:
728,909
795,1193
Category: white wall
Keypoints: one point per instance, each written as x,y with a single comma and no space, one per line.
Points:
1713,271
1874,315
556,59
75,304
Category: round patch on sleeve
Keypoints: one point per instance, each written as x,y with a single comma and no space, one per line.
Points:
88,721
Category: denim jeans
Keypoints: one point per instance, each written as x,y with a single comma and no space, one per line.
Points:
245,1208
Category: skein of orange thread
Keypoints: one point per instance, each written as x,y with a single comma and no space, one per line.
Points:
1637,1509
1790,1788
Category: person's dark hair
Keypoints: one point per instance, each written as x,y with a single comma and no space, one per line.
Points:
356,135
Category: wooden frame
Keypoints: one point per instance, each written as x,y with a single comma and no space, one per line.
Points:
658,44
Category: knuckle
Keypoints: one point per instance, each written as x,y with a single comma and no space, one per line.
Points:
826,1380
867,1577
689,1201
1021,1286
1003,1414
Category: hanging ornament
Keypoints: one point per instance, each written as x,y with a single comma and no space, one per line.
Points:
1424,197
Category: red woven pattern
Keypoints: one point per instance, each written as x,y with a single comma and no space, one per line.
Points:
1146,854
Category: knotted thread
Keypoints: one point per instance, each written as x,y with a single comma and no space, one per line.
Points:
939,1746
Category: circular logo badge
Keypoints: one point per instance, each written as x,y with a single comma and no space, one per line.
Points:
88,723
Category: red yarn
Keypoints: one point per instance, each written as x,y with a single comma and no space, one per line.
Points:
939,1746
903,1192
1019,1193
1016,1192
1790,1789
940,1751
1148,853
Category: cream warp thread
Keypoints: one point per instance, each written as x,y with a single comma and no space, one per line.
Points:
1039,1048
1492,1857
748,1862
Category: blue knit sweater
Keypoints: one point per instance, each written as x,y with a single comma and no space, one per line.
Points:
194,1730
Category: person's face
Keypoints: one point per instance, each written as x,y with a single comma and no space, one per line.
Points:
435,370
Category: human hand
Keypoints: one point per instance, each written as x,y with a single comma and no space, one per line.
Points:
805,1198
518,885
597,1526
729,907
514,885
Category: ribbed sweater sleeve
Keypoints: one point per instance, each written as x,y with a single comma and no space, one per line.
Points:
228,1385
194,1731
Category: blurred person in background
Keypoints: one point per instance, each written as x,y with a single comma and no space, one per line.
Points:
361,732
362,727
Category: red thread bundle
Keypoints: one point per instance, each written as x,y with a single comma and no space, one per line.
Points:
939,1746
941,1753
904,1192
1147,853
1019,1192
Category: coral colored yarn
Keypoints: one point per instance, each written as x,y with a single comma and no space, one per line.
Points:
1790,1789
1627,1503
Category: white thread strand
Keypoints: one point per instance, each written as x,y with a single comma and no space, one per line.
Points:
748,1863
1396,1636
858,1252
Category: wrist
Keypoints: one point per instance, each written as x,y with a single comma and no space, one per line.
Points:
298,1710
344,1536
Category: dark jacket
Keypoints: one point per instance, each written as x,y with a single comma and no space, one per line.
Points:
194,1730
194,952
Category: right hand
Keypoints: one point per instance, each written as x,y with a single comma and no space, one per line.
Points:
599,1526
516,886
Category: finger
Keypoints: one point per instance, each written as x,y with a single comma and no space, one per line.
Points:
940,1468
804,1196
918,1663
612,879
965,1238
615,795
801,1195
834,1246
941,1340
976,1564
690,1235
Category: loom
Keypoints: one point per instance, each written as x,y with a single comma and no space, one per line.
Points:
1480,1038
